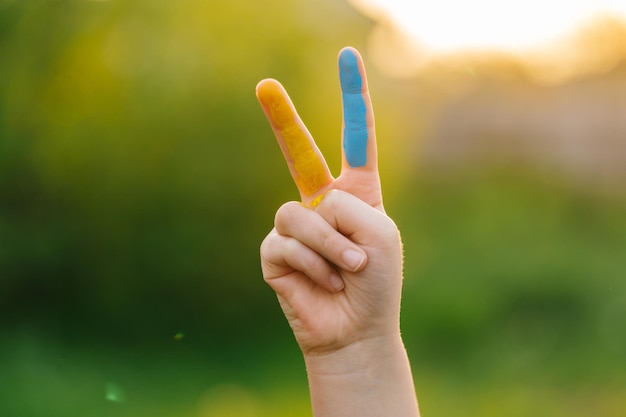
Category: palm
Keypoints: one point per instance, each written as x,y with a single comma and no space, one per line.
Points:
324,320
320,318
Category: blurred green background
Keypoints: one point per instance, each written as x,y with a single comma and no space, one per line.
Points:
138,177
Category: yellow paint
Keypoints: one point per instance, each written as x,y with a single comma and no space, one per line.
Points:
317,200
308,170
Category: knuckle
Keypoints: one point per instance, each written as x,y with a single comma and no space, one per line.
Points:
389,230
286,214
330,201
267,243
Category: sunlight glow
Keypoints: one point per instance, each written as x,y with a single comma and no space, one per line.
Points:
447,27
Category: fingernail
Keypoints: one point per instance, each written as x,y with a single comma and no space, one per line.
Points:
336,282
353,260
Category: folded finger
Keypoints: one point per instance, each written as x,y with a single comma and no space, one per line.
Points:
283,255
308,227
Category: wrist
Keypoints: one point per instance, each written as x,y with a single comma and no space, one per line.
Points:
370,378
356,357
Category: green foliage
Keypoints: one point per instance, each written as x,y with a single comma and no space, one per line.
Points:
138,176
137,172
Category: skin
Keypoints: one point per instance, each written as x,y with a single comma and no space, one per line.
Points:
291,133
335,261
306,163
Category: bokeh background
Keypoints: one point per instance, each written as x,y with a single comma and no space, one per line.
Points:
138,177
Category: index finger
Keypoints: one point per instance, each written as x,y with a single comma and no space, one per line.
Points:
305,161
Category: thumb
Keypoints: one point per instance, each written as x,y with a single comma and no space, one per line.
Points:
354,218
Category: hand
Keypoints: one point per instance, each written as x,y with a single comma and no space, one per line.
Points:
336,268
335,261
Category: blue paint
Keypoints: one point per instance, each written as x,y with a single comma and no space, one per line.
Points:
354,111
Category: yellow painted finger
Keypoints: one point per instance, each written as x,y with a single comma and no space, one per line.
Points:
305,161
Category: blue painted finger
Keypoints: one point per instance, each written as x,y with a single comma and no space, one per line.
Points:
355,131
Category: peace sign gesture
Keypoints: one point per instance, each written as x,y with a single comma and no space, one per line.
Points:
335,261
359,171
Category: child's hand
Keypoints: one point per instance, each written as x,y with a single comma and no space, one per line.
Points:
337,267
337,271
335,261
